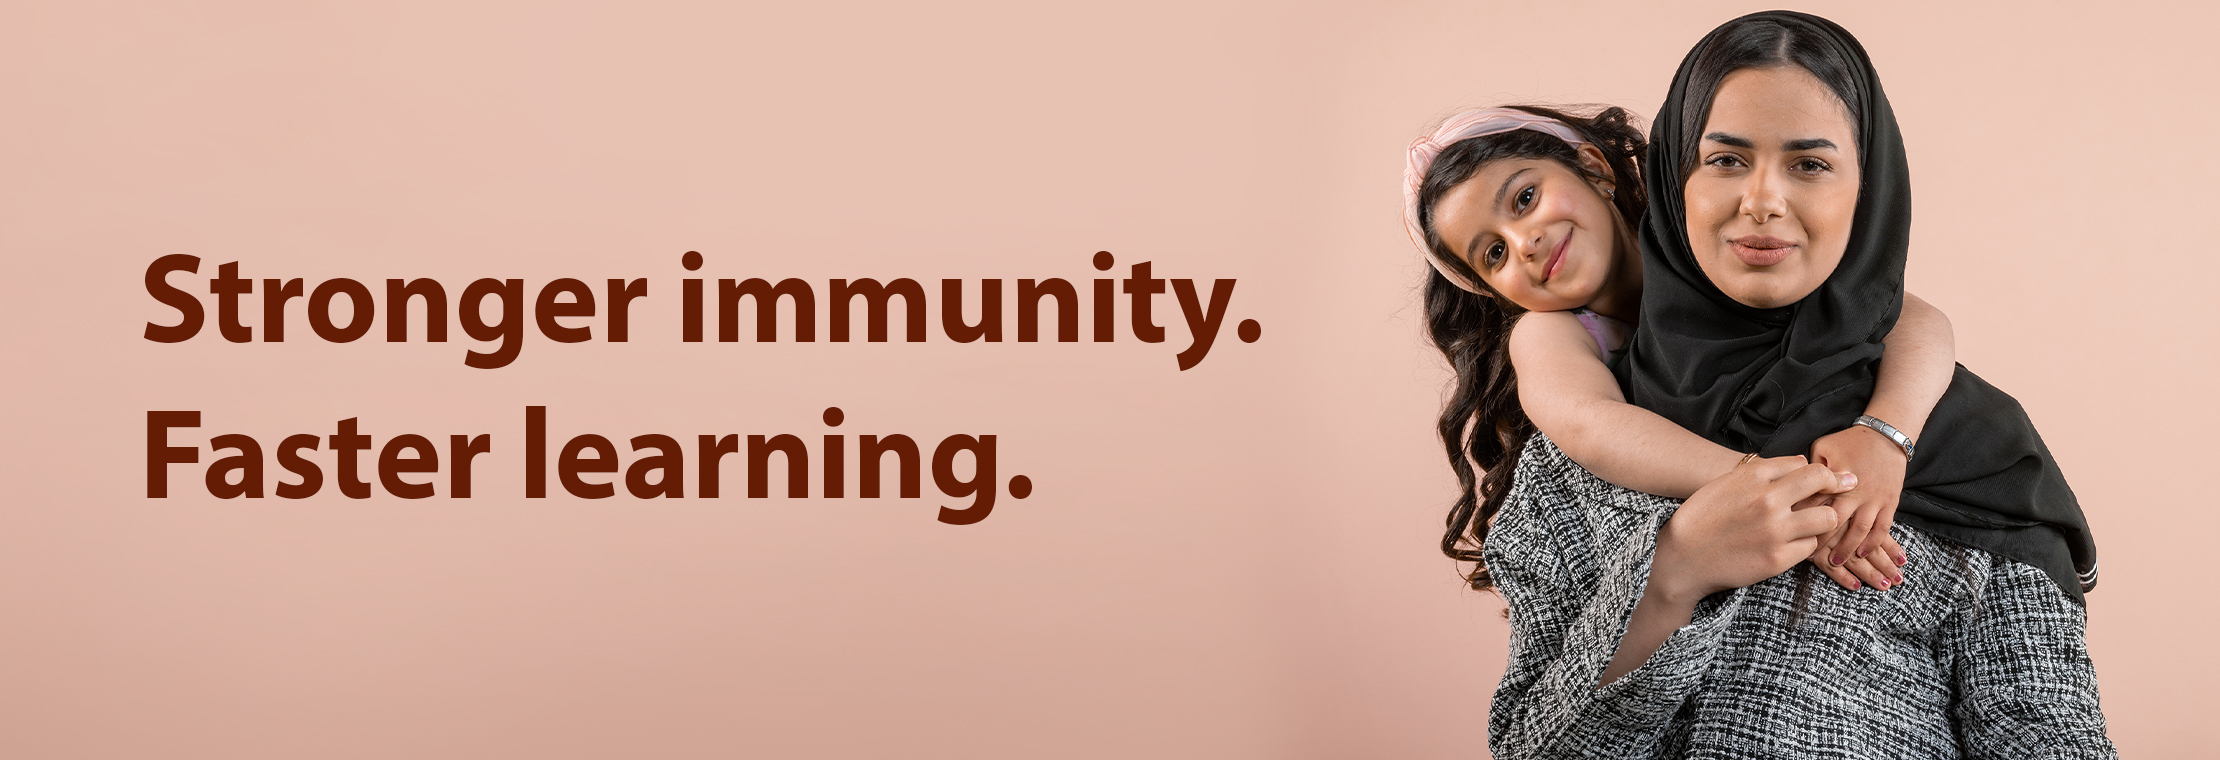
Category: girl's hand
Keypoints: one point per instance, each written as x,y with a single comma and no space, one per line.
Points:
1748,525
1874,569
1867,511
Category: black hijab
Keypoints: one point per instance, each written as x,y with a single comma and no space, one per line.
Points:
1774,380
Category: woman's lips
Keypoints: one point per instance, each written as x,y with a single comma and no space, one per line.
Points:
1556,259
1762,250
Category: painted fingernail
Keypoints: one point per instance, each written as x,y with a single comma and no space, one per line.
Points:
1863,552
1902,561
1835,560
1854,585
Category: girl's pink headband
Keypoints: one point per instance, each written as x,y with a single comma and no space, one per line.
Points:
1479,122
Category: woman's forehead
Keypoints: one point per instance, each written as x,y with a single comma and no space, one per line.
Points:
1772,102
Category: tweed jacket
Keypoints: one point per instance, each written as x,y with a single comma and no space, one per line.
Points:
1973,656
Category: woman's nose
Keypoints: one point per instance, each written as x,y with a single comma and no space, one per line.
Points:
1762,200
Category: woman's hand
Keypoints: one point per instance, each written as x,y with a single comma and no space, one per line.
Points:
1866,512
1749,525
1753,523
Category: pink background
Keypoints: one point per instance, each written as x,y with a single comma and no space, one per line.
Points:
1235,561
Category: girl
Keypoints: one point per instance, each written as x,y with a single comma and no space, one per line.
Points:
1523,217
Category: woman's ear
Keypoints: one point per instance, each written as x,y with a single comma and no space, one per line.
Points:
1597,169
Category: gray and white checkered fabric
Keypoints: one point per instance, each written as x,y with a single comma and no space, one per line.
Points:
1974,656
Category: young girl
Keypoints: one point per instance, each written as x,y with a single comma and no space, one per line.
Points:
1526,214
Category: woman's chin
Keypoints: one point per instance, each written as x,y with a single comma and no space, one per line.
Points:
1760,297
1770,289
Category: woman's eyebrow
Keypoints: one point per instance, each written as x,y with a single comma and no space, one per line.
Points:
1792,146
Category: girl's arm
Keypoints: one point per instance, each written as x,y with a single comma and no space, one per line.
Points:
1918,359
1571,396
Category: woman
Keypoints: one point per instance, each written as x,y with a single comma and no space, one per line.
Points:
1773,257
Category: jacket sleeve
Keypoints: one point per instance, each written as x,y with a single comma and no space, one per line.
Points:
1571,555
2025,685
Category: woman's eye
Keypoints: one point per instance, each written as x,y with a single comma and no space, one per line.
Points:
1724,161
1812,166
1525,197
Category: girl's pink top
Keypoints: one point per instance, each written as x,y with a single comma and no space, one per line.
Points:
1610,334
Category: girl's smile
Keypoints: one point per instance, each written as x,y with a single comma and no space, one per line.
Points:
1556,258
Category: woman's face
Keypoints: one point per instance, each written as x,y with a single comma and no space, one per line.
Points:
1540,234
1775,186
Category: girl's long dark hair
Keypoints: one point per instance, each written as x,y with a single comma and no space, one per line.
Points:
1482,426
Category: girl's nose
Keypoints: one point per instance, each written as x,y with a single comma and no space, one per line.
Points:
1530,243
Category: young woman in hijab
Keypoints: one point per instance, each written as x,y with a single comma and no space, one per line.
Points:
1773,257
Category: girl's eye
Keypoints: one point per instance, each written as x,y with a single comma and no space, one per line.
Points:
1525,198
1493,254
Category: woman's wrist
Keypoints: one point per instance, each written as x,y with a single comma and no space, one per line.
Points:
1671,582
1723,461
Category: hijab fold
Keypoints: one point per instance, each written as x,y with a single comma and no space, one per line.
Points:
1774,380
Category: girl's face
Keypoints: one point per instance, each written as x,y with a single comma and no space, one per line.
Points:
1540,234
1775,186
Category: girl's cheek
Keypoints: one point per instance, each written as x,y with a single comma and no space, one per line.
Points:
1562,205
